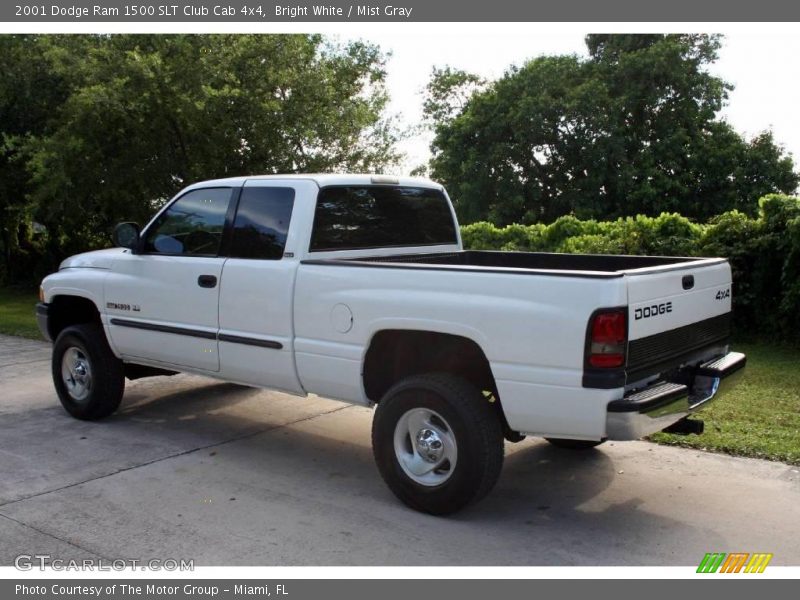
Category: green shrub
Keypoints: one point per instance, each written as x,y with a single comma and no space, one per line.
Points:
737,237
592,243
563,228
482,236
764,253
674,235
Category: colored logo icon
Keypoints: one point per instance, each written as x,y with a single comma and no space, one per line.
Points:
735,562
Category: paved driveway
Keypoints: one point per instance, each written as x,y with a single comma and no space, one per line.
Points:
197,469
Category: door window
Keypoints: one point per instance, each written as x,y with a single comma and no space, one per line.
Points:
193,225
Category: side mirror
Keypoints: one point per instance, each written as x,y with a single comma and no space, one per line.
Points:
126,235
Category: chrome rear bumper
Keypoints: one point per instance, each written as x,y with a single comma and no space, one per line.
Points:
658,406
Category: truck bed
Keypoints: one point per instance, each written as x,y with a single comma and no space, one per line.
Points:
543,263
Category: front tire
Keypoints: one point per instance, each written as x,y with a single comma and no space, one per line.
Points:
88,378
437,442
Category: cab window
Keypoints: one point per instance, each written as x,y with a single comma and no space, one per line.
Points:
262,223
359,217
192,226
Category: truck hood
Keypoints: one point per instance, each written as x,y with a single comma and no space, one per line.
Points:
99,259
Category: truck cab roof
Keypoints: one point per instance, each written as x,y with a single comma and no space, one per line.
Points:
324,179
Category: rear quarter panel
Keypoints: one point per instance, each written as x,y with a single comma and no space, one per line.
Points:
531,327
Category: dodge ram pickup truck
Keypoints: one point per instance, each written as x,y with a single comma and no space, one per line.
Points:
357,288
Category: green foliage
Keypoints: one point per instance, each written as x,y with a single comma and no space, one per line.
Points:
28,88
566,227
447,93
633,129
97,129
764,252
592,243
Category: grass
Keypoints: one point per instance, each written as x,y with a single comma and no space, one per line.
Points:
17,313
760,417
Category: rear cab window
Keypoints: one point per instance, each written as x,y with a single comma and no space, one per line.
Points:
378,216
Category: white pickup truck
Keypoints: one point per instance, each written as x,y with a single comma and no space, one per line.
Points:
357,288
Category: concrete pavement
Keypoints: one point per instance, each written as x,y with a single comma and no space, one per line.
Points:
197,469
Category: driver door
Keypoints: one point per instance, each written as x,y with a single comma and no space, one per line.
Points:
162,302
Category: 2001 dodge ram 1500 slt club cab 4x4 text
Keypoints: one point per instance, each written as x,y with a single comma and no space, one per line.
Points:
357,288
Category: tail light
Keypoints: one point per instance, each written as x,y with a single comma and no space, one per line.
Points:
608,336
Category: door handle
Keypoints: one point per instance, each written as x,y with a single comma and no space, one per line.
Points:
207,281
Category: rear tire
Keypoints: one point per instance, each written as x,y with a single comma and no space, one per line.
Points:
88,378
437,442
574,444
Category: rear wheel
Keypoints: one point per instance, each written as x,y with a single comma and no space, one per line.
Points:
437,442
574,444
88,378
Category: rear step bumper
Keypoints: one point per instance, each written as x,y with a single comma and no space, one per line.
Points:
658,406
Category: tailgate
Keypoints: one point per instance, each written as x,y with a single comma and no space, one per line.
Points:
674,313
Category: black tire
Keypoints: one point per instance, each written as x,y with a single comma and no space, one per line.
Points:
574,444
106,384
469,419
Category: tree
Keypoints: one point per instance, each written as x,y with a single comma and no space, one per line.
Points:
631,129
141,116
28,90
448,92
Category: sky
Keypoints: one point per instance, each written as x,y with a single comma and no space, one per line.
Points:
762,67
